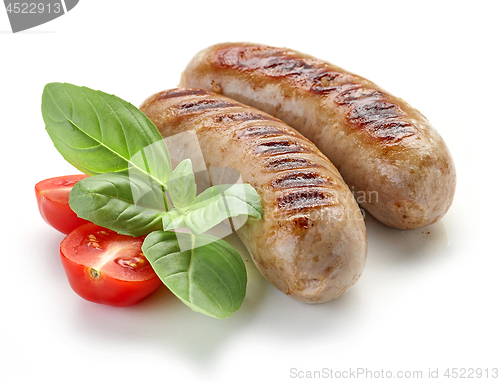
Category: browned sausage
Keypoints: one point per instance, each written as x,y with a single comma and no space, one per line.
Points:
389,154
311,243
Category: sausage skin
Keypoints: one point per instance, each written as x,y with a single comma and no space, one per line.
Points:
395,162
311,243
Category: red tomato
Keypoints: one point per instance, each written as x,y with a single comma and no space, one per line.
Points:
52,196
108,268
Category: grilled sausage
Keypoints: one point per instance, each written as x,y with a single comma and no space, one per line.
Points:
396,163
311,243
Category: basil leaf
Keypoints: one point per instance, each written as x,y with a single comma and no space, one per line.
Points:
220,202
210,277
181,184
98,132
172,220
129,206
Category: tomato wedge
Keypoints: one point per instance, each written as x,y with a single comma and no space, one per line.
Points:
52,196
108,268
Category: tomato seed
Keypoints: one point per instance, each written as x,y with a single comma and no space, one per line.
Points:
135,262
95,273
93,242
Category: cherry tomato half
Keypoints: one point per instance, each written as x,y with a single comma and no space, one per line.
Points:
108,268
52,196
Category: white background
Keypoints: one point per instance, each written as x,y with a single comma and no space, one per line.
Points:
428,298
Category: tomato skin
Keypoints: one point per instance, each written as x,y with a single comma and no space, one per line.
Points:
112,286
52,196
107,290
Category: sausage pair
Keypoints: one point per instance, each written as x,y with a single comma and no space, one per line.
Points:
311,243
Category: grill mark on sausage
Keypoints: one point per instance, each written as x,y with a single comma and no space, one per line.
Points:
297,200
203,104
391,129
281,66
329,81
280,63
271,62
300,179
384,119
356,94
260,131
369,108
180,93
280,147
366,112
288,163
242,117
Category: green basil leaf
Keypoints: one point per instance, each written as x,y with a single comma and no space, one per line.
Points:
172,220
181,184
98,132
220,202
127,205
210,276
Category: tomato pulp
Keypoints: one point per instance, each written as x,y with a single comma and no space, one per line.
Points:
52,196
108,268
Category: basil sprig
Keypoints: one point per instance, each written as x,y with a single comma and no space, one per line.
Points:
135,192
